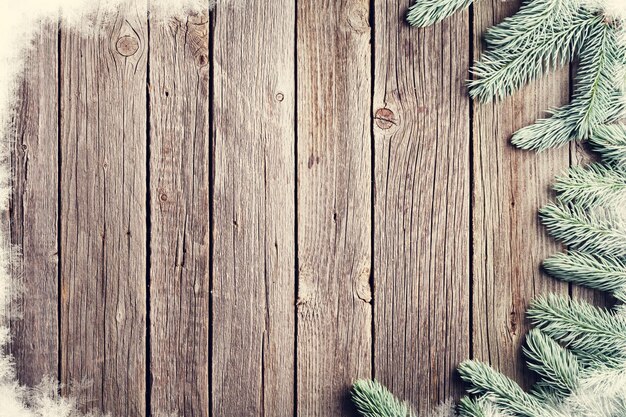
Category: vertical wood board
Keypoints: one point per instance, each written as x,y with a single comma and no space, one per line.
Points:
253,366
179,216
334,203
34,211
103,211
421,204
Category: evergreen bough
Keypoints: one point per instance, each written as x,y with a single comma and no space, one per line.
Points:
610,143
577,350
595,185
374,400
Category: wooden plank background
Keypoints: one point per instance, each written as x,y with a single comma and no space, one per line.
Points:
237,213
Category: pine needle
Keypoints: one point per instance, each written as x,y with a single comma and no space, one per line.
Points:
374,400
610,142
604,273
533,17
484,380
584,232
545,34
469,407
558,368
595,335
597,98
428,12
594,185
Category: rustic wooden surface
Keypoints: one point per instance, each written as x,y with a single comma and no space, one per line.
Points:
103,221
254,248
421,205
238,213
334,203
179,204
34,211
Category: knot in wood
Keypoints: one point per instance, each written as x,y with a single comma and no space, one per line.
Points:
357,17
202,60
127,45
197,38
385,118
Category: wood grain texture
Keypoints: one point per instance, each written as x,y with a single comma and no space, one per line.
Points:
254,210
510,185
421,204
103,212
34,210
179,216
334,203
345,254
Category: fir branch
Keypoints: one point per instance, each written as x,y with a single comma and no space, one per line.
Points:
469,407
529,44
601,64
546,393
533,17
610,142
597,98
502,390
428,12
557,366
604,273
584,232
480,407
595,335
594,185
374,400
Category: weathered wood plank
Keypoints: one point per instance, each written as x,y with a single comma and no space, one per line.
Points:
34,210
103,211
254,247
179,213
334,203
509,187
421,204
